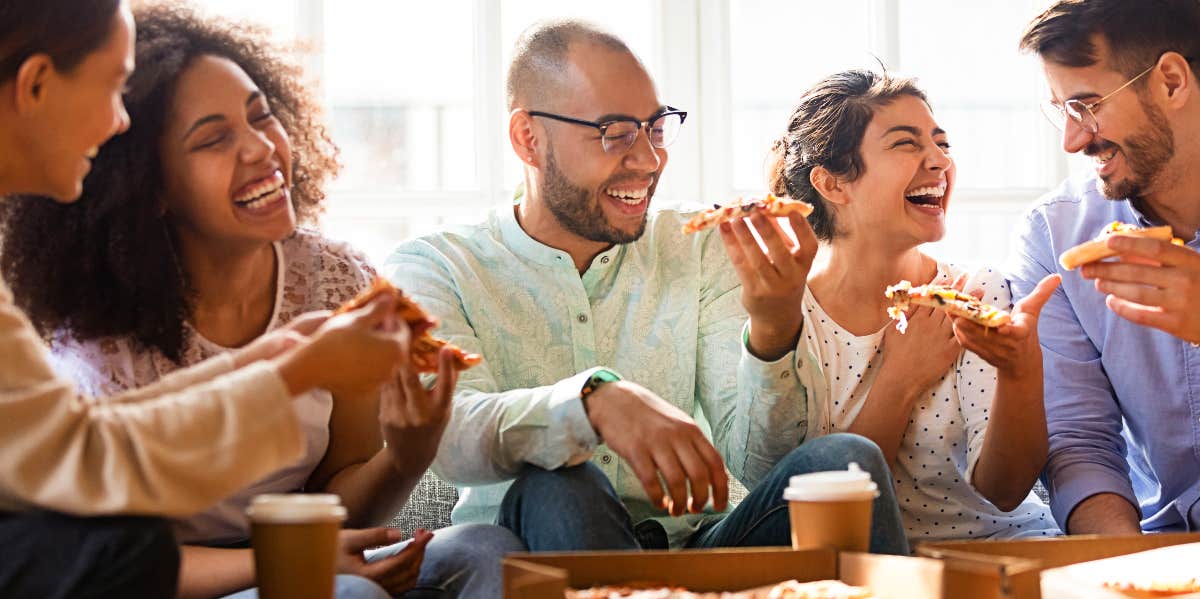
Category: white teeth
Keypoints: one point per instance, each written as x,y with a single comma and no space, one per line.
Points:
260,191
936,192
263,201
92,153
629,196
1104,158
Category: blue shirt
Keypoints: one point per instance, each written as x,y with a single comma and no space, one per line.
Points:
1122,400
664,311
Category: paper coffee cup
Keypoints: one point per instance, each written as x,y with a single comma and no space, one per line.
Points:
831,509
295,540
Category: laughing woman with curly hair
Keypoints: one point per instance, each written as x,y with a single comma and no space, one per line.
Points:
186,246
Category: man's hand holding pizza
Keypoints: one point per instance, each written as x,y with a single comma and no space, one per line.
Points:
1153,285
773,280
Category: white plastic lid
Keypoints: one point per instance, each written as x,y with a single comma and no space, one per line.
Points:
291,508
836,485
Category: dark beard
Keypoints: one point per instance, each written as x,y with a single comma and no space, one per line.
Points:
1147,154
577,211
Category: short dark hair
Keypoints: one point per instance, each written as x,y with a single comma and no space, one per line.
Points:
826,129
107,265
65,30
1137,32
540,53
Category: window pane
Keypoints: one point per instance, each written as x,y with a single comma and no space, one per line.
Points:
281,16
984,92
778,49
399,77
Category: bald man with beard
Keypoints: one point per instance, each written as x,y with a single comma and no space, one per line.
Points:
604,331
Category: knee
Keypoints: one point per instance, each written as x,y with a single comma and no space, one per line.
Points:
581,483
836,451
474,545
348,586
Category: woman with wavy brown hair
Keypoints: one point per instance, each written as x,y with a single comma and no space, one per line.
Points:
187,246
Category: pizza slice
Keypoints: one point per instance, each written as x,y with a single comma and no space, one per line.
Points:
736,209
425,347
1156,588
944,297
1096,249
792,589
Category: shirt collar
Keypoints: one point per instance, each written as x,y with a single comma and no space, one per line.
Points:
525,246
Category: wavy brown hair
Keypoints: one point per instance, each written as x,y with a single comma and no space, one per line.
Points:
107,265
826,129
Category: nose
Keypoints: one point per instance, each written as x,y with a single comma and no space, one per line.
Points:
643,156
1074,137
122,118
258,147
938,159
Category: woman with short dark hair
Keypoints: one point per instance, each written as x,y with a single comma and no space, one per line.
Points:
71,463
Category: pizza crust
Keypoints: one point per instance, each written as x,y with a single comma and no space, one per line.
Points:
736,209
1097,249
792,589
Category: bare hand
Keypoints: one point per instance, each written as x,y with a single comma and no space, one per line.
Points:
773,281
413,418
278,341
397,573
657,439
1012,348
921,356
1157,291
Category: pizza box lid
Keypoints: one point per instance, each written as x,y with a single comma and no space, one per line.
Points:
545,575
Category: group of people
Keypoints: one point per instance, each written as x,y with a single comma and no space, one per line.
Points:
169,350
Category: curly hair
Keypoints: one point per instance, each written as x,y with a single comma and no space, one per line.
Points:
826,129
107,264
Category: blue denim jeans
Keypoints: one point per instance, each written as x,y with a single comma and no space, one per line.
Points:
460,561
577,509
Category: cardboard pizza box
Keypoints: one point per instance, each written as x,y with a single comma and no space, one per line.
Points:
548,575
1012,569
1172,570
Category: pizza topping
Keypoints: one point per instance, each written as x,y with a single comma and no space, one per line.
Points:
425,347
721,213
958,303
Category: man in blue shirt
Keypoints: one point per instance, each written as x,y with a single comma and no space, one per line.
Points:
1120,338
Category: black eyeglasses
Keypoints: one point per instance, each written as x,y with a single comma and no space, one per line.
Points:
618,134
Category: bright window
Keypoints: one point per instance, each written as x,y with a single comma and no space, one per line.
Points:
415,97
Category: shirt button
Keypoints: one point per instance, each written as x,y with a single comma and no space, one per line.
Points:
583,318
604,260
785,374
607,459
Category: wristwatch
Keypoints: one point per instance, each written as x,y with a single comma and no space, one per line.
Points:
598,378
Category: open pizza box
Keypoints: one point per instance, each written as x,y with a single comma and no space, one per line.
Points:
549,575
1012,569
1167,571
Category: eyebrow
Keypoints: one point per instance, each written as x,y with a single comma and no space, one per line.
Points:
615,117
912,130
212,118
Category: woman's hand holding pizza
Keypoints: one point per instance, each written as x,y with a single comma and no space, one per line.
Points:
1012,348
773,280
917,359
1153,285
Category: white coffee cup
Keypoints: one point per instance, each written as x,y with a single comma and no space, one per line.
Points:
295,540
831,509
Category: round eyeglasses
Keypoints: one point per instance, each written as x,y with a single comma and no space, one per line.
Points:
617,134
1080,113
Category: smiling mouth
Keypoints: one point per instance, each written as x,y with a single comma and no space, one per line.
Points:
631,197
1104,157
926,196
261,194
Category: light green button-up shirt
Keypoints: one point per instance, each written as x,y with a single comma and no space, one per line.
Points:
664,311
